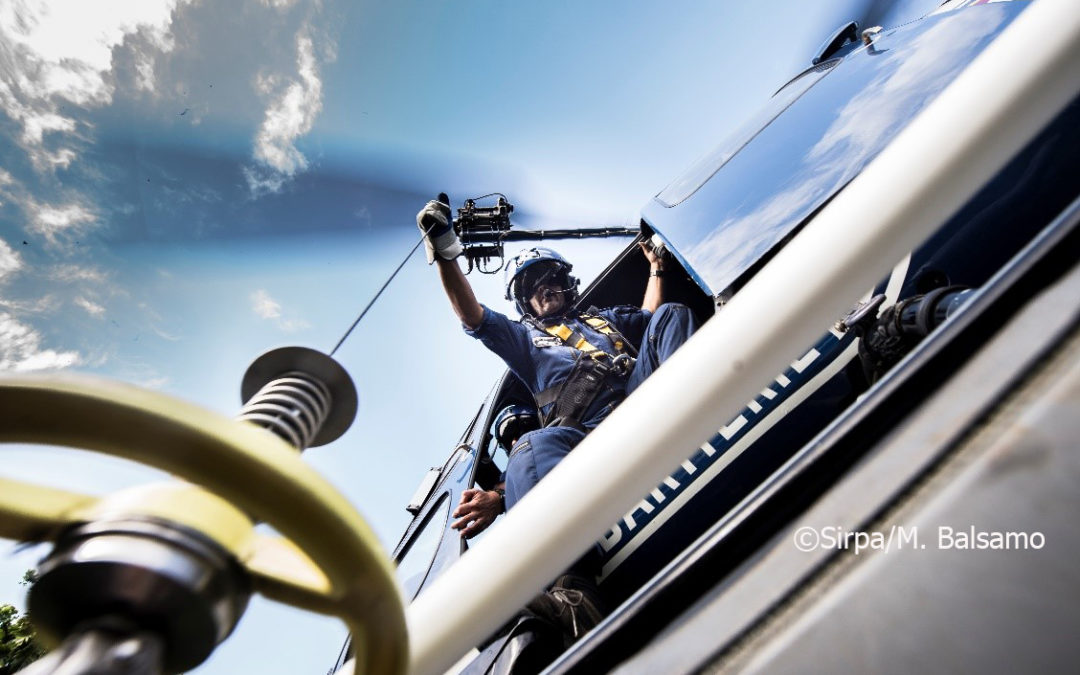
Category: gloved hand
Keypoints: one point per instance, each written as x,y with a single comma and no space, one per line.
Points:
437,227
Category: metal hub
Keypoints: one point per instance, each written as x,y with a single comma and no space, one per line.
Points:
164,578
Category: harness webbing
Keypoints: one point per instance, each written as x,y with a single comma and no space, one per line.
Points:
575,339
574,395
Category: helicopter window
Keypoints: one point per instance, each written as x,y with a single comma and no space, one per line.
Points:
702,170
494,458
415,562
490,468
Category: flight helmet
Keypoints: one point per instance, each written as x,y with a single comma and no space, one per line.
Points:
513,421
528,268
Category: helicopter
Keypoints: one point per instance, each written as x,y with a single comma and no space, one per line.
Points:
722,222
704,574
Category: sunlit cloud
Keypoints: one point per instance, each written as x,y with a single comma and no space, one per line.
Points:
290,115
293,325
92,308
155,319
164,335
6,191
21,350
145,79
35,127
47,304
261,181
56,223
266,307
10,261
156,383
363,214
62,50
71,273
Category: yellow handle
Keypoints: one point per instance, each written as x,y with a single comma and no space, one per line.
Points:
347,575
34,513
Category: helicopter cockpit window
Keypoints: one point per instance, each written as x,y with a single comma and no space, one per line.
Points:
702,170
415,562
511,414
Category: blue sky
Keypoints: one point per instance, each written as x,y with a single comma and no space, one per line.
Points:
187,184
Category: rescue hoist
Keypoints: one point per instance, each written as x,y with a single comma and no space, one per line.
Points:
151,579
484,230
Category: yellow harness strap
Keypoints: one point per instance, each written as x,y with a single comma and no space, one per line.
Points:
576,340
604,327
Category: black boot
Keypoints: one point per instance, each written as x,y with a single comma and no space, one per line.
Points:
572,603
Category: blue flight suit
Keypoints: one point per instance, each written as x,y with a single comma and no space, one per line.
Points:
542,361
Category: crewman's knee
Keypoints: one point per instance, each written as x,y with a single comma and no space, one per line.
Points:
672,320
671,310
521,474
671,307
534,455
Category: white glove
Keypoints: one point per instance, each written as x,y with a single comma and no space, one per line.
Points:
439,236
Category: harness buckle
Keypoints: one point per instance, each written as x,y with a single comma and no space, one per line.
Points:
622,364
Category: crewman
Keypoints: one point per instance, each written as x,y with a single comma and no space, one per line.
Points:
577,364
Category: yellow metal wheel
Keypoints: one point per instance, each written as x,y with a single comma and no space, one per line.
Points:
330,562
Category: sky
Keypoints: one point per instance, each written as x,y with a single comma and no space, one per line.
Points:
186,184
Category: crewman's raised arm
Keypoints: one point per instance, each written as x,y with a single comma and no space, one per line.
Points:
443,247
460,292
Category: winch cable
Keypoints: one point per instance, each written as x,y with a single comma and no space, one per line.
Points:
525,234
445,199
379,292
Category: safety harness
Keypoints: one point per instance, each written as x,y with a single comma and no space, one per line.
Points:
592,367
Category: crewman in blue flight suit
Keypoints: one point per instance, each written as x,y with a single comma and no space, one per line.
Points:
578,366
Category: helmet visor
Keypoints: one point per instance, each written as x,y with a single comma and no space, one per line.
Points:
545,272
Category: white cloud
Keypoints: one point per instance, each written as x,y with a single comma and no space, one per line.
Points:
289,116
35,128
63,49
363,214
155,319
171,337
157,383
92,308
261,181
10,261
20,349
76,273
265,307
293,325
70,42
144,72
54,222
44,305
58,218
